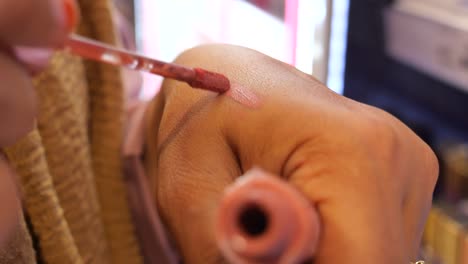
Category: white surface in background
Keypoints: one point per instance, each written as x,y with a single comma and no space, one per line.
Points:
432,40
451,12
454,5
307,16
251,27
166,28
338,43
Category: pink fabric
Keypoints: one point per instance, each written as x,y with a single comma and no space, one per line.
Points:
150,230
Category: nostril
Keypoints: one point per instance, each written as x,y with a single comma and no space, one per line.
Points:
253,220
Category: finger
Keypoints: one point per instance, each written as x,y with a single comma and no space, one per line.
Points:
415,211
17,101
36,23
418,201
360,228
34,59
9,205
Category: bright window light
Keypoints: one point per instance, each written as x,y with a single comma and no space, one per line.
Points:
338,42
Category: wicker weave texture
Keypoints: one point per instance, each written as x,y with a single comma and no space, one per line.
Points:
70,168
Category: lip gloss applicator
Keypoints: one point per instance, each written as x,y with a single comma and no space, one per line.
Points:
195,77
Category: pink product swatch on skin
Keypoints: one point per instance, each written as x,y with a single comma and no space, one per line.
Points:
243,95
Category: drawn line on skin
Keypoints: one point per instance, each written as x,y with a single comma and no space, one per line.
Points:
243,96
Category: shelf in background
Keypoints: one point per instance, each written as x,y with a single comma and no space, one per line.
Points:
429,38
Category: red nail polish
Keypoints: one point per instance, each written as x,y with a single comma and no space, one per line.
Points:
71,12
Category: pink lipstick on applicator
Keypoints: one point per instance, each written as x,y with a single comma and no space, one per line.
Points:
95,50
195,77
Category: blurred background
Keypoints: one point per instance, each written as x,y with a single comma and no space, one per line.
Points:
408,57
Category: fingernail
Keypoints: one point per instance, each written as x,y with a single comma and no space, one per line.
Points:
34,59
66,14
71,12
